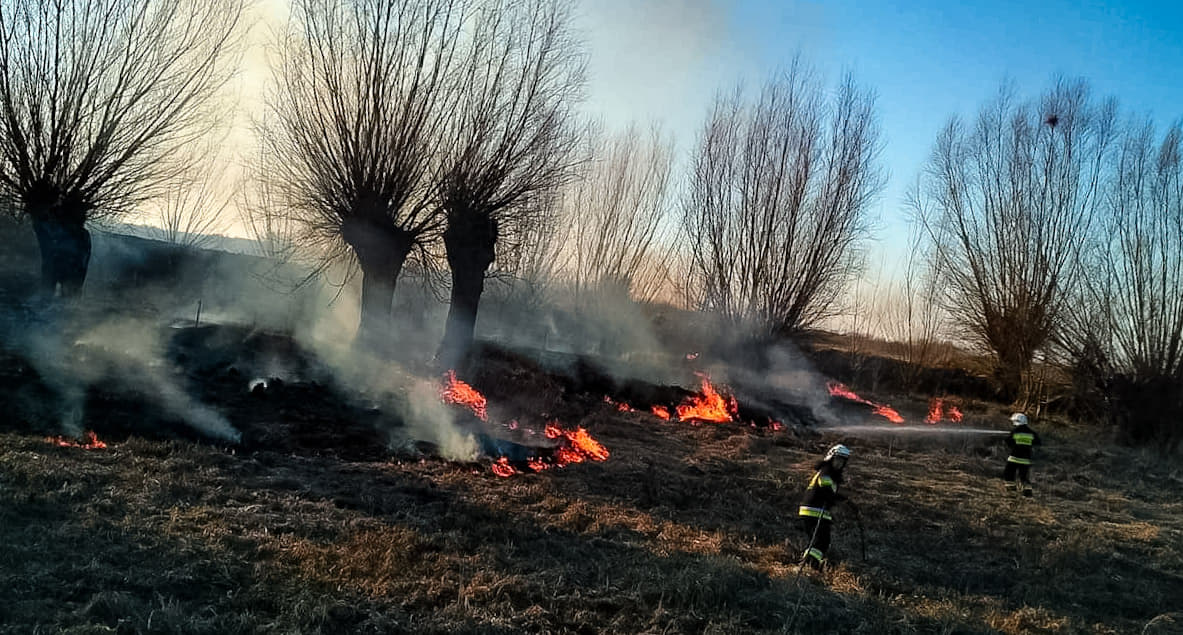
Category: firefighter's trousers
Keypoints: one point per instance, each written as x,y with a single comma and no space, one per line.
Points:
815,552
1024,473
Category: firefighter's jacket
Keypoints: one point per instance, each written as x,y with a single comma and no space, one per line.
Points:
822,493
1021,440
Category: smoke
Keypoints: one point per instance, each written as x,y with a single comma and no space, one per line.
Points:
656,343
779,372
600,322
427,419
395,387
118,353
135,289
43,349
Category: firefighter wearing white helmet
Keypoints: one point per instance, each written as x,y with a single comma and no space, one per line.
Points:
815,511
1021,441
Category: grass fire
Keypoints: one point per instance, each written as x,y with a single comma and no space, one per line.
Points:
574,316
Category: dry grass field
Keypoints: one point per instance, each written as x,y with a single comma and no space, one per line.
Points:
684,529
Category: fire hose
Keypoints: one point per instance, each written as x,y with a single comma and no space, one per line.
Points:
801,567
858,519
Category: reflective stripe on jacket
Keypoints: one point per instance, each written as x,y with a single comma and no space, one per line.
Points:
1021,441
814,512
822,492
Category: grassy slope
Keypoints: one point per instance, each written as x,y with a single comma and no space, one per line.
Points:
684,529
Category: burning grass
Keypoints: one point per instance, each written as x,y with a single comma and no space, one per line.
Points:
312,525
686,529
887,412
709,406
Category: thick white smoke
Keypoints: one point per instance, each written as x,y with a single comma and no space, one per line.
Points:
125,353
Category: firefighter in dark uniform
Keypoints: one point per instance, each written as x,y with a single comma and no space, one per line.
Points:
1021,441
820,498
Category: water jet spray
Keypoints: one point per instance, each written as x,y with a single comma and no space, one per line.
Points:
871,429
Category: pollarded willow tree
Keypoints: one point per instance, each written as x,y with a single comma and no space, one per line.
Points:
509,142
352,132
778,200
97,99
1125,332
1011,198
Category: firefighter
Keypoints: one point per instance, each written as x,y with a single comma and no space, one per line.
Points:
1021,441
820,498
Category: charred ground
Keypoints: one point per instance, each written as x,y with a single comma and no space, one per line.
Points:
313,523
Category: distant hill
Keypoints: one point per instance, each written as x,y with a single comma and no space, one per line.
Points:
212,242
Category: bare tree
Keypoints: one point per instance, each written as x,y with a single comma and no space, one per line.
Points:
1010,198
511,138
1126,330
265,214
96,99
193,208
527,269
275,233
351,134
1146,249
778,200
916,317
618,211
530,254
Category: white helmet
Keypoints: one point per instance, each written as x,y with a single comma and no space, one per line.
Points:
836,451
1018,419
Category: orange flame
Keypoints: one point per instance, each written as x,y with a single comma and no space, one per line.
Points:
708,406
887,412
578,446
620,405
502,468
661,411
938,411
840,390
586,445
89,441
458,392
935,408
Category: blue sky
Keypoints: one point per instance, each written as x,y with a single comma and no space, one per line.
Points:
927,60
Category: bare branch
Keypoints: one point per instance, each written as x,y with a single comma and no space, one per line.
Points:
352,131
778,199
510,140
98,101
1010,199
192,210
618,212
98,96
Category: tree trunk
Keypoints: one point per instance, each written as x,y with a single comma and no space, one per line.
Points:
381,251
65,253
1012,363
469,241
